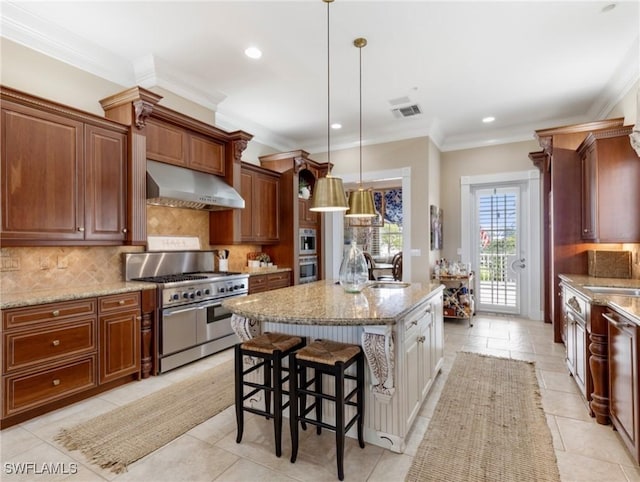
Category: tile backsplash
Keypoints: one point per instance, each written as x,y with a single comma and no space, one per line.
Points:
36,268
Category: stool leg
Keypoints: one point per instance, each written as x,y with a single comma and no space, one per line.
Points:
318,389
339,389
277,400
360,394
293,405
268,366
239,392
302,396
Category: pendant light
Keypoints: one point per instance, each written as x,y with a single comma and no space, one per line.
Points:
329,191
361,203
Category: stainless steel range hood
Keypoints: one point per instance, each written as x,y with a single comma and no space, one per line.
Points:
174,186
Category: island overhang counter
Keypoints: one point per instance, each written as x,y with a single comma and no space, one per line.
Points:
398,325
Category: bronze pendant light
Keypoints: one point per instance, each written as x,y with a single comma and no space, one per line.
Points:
361,203
329,192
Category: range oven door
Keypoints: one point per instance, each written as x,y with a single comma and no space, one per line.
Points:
214,322
179,329
308,266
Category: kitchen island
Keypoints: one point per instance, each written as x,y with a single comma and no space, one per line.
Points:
399,325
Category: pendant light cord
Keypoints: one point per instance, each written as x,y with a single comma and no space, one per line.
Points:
360,51
328,93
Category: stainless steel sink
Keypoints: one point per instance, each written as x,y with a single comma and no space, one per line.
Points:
389,285
613,290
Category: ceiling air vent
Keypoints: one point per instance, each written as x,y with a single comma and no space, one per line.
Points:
408,111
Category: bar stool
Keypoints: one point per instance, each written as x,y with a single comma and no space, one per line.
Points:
326,357
271,348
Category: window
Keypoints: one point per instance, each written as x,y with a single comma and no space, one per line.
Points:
381,236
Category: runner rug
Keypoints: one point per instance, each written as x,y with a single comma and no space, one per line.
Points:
488,425
128,433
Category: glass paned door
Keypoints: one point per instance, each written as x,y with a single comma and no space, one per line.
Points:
497,249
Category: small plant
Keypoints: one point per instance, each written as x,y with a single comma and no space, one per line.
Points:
264,258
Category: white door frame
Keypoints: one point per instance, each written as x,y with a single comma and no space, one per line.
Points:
334,221
531,277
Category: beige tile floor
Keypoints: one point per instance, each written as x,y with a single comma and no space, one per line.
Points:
208,452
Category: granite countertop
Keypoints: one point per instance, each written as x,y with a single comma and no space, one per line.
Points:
326,303
267,270
67,293
629,305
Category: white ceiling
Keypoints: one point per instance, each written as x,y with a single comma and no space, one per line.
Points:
532,65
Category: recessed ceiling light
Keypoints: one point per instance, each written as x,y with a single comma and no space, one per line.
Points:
253,52
336,125
488,119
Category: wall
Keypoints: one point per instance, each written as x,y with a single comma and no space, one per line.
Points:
413,153
511,157
628,106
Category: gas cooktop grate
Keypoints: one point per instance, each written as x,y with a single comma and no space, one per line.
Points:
173,278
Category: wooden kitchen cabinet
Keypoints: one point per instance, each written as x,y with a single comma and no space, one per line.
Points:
623,380
179,146
424,351
259,221
57,353
119,320
270,281
63,175
610,187
576,312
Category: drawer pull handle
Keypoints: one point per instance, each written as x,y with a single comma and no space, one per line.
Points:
616,323
55,343
421,339
81,229
414,322
55,312
56,382
121,302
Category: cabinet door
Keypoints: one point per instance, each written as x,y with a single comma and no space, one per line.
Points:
42,176
206,155
166,143
571,342
247,214
119,345
306,216
412,366
258,283
589,194
623,380
266,219
580,374
106,184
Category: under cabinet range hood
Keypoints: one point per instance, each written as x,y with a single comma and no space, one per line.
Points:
174,186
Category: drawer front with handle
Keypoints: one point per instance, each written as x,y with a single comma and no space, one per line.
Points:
278,280
30,390
23,349
110,304
25,317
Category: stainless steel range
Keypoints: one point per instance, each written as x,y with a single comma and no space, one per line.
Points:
193,323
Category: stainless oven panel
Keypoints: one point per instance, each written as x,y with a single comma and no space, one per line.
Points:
214,322
178,330
307,269
307,241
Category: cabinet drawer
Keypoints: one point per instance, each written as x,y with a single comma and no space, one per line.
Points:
124,301
257,283
26,348
24,317
576,304
27,391
278,280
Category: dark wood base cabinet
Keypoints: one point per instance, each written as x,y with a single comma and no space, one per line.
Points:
623,380
58,353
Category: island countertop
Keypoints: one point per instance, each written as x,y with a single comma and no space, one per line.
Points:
326,303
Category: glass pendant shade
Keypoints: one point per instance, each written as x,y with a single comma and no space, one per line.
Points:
354,272
361,204
329,195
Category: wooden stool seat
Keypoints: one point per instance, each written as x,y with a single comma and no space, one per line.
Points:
270,342
269,350
328,352
326,357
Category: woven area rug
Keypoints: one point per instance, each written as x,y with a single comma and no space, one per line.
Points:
488,425
122,436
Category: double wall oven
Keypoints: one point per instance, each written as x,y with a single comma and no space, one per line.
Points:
307,256
192,323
